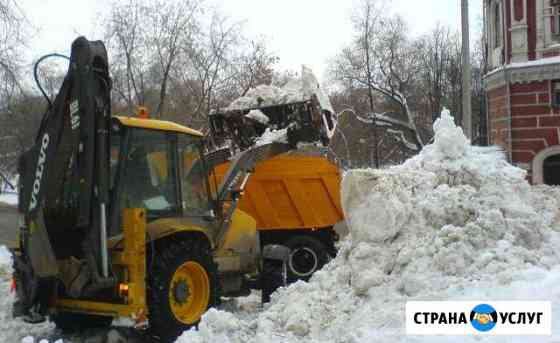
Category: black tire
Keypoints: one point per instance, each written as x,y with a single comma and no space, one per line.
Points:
271,278
308,254
69,322
170,255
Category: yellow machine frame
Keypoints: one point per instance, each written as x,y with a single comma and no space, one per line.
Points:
133,259
234,249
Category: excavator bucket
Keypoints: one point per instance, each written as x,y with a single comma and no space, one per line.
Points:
300,107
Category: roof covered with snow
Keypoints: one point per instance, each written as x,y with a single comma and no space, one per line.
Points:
523,72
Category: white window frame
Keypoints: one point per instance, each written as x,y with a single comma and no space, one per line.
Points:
538,163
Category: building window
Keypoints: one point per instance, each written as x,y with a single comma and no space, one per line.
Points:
555,25
497,25
555,98
551,170
545,168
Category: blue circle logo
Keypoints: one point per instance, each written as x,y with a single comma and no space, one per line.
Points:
483,317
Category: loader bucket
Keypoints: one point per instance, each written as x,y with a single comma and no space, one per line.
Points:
305,121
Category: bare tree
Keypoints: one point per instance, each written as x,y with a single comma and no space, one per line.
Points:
381,60
180,57
172,26
13,35
145,38
479,65
221,66
126,44
252,66
434,52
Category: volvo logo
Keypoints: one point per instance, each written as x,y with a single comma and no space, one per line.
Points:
39,171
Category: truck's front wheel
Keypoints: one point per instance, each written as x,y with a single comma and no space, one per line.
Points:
183,284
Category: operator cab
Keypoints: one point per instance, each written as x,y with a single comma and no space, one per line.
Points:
157,165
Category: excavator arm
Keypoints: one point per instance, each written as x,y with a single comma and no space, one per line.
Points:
64,180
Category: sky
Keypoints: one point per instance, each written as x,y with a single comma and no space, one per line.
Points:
297,31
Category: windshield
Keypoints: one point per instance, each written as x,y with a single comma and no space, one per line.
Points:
194,185
150,179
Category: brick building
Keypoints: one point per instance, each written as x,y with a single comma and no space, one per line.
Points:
523,83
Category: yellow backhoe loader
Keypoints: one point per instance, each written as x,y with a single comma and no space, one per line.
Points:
124,216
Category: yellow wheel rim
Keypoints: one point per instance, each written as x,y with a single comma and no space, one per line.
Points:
189,292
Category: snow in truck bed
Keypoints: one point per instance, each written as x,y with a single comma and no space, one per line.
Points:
295,90
455,222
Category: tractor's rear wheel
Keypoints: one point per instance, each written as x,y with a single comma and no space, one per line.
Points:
183,284
69,322
308,254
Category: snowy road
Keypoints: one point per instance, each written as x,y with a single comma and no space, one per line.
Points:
8,225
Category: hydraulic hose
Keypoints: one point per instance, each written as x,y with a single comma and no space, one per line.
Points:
35,69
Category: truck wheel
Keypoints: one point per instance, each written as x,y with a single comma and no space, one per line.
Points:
69,322
183,284
308,254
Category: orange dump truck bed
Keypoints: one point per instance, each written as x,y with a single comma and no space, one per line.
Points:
292,192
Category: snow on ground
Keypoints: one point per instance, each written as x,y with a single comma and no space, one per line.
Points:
455,222
9,198
294,91
8,191
15,330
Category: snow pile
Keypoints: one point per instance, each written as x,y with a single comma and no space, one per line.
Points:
455,222
294,91
272,136
14,330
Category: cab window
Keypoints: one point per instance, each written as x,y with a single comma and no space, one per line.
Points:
150,179
194,184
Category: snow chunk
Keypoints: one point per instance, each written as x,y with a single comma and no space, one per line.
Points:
262,95
258,116
215,326
295,90
272,136
303,88
451,142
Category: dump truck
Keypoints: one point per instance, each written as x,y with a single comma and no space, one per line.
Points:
295,200
120,217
